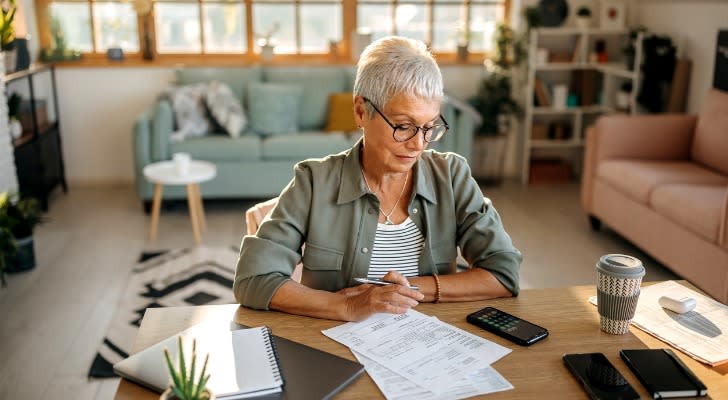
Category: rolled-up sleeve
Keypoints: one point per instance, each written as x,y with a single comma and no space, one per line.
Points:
268,258
482,238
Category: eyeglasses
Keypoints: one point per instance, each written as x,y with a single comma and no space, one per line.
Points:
405,132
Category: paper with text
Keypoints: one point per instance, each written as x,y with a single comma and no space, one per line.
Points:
421,348
396,387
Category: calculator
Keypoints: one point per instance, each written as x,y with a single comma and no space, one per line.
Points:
508,326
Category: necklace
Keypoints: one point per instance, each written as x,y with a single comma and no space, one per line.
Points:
387,221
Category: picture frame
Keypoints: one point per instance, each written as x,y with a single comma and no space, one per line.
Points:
613,14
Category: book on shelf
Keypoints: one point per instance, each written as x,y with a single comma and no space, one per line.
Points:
663,374
543,98
243,363
576,52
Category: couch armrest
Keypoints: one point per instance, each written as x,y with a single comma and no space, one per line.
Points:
142,142
162,127
465,127
649,137
723,228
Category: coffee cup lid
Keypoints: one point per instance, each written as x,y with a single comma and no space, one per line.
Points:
621,265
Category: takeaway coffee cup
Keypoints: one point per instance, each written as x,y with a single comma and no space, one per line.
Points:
181,163
619,278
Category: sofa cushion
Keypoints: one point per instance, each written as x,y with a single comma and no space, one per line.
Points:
710,144
304,145
637,179
224,108
697,208
237,78
317,84
274,108
340,113
220,147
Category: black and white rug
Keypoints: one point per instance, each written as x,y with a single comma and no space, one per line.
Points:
186,277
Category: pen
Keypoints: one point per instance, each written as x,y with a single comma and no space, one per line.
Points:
379,281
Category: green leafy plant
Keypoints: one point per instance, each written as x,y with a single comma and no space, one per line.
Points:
583,11
19,215
185,384
7,31
8,247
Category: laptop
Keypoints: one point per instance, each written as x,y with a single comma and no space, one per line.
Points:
308,373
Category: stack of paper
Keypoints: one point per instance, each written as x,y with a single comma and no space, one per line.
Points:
416,356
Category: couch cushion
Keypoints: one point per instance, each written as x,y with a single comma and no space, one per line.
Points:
710,145
637,179
317,84
237,78
304,145
220,147
274,108
697,208
340,112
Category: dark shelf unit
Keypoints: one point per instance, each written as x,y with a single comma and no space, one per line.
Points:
38,152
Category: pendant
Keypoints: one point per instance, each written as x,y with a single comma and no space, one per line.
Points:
388,221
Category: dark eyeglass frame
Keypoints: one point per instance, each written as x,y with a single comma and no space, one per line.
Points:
417,128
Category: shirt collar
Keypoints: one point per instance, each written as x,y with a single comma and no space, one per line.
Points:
352,184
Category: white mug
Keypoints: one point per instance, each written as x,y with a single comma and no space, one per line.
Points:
182,163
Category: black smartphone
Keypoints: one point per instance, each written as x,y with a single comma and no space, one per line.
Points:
508,326
599,377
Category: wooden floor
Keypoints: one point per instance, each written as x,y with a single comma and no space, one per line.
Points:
54,317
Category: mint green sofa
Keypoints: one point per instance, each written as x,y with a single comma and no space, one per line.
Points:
256,166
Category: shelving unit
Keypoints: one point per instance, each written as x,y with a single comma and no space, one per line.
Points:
38,152
605,79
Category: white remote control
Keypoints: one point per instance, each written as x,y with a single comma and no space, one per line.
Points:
678,305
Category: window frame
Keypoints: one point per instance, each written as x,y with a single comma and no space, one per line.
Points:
343,56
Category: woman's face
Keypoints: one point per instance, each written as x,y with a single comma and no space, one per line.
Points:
379,144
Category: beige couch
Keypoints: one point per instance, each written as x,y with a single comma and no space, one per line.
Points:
662,183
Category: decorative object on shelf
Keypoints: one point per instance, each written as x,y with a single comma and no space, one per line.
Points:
462,40
659,68
621,98
186,383
600,48
7,34
560,94
583,17
630,48
532,15
613,14
334,49
22,54
143,9
553,12
267,43
542,56
16,128
19,216
115,54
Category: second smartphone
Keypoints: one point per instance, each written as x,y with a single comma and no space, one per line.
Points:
508,326
600,379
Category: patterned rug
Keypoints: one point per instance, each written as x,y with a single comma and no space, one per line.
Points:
186,277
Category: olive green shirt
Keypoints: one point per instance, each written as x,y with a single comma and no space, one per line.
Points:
327,206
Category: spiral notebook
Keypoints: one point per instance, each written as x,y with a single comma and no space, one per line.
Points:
243,363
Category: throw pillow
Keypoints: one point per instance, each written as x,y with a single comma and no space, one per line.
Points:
274,107
341,112
225,109
189,111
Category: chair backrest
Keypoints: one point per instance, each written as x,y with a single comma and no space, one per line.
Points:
710,144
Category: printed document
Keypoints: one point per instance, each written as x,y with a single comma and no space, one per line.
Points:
701,333
396,387
421,348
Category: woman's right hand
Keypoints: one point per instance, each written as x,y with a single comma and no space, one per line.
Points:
364,300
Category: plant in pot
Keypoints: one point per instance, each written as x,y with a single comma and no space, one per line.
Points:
583,17
496,104
20,215
267,43
7,34
185,383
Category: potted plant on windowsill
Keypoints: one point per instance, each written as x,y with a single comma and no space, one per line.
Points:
19,216
7,34
267,43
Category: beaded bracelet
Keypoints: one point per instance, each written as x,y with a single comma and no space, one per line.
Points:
437,288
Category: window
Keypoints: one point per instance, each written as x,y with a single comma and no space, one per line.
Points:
295,27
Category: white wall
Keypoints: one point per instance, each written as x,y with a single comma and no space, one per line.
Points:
693,25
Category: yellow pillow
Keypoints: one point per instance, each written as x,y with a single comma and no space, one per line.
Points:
341,112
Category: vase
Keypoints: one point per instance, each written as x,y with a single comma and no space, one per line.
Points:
24,258
266,52
169,395
583,22
11,59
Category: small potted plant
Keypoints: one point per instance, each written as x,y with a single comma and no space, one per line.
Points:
185,383
19,216
7,34
583,17
266,42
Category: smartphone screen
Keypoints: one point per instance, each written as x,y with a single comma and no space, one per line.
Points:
599,377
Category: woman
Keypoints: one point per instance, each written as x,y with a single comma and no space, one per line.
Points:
385,208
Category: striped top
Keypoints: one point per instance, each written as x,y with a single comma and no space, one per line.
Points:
396,247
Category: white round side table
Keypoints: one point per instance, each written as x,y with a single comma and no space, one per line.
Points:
164,173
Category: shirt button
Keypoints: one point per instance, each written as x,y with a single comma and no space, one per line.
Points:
371,211
414,211
364,250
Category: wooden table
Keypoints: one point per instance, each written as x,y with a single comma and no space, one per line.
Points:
535,372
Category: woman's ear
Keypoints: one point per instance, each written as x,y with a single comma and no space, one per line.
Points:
360,110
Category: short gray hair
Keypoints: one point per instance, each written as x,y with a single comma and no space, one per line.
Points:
396,65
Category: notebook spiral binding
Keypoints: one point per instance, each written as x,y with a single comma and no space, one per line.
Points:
272,353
